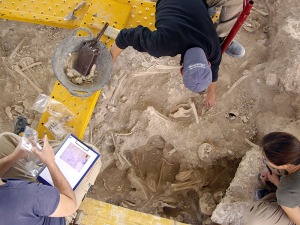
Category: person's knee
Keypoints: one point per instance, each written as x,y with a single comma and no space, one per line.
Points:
9,137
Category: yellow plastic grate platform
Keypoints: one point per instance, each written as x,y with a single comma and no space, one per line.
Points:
81,107
46,12
101,213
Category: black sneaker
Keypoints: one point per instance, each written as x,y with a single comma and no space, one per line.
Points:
260,193
20,124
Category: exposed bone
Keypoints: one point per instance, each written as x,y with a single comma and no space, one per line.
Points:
5,63
135,181
184,175
186,185
160,205
112,99
158,114
251,143
260,11
147,202
166,67
8,113
127,134
91,133
147,73
34,81
120,134
161,173
113,139
130,203
16,49
125,159
104,184
181,112
122,159
32,65
172,152
236,84
20,72
167,162
194,110
151,185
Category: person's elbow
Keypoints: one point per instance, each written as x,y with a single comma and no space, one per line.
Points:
66,206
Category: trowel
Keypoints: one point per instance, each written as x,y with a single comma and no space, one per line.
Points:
87,55
71,15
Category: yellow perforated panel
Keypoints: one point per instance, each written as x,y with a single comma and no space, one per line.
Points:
47,12
106,11
81,107
101,213
142,13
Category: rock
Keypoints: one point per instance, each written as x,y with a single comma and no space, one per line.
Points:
244,119
240,193
207,204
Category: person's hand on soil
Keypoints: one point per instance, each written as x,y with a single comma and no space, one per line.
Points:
46,155
210,100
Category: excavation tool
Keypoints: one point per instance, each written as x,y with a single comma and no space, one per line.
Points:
71,15
73,45
88,54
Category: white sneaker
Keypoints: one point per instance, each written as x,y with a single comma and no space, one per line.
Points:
235,50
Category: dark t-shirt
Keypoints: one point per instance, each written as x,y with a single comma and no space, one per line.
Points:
28,203
180,24
288,191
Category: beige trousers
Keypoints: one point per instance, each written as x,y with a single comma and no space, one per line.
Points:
8,143
228,16
266,212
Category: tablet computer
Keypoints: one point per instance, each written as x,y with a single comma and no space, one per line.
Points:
74,158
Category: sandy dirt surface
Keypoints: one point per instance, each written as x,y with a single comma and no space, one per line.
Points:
162,151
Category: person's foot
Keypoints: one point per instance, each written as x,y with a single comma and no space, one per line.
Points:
235,50
260,193
20,124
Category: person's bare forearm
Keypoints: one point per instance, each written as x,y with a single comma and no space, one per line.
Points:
7,162
211,88
60,182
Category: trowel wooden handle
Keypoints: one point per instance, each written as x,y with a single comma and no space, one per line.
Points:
109,32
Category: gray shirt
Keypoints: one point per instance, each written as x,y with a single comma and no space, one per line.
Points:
288,192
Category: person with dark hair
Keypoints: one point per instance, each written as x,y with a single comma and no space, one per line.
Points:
282,152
